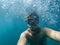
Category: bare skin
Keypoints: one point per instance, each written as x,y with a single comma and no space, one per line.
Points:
40,38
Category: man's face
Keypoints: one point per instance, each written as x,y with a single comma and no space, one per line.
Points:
33,21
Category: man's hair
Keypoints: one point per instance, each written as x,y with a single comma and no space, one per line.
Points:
31,16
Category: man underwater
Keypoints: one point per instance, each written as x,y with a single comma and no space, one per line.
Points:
35,35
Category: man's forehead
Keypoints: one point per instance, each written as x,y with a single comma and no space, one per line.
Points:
32,16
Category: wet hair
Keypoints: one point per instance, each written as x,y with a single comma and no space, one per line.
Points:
32,15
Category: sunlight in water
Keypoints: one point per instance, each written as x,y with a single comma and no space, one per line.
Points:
46,9
13,15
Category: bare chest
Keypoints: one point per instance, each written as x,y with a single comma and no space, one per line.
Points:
36,40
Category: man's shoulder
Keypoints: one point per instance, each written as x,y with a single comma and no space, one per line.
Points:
48,29
45,28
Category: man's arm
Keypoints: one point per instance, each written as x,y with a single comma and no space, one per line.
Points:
22,40
55,35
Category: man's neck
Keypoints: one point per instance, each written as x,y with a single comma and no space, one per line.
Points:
35,30
33,27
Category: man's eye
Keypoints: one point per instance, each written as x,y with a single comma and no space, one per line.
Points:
30,19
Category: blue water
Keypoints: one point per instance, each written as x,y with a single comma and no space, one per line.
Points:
13,13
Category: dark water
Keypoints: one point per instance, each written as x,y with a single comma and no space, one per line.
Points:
13,13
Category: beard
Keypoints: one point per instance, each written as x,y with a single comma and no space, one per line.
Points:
35,30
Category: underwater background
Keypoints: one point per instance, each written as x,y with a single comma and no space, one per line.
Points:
13,13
